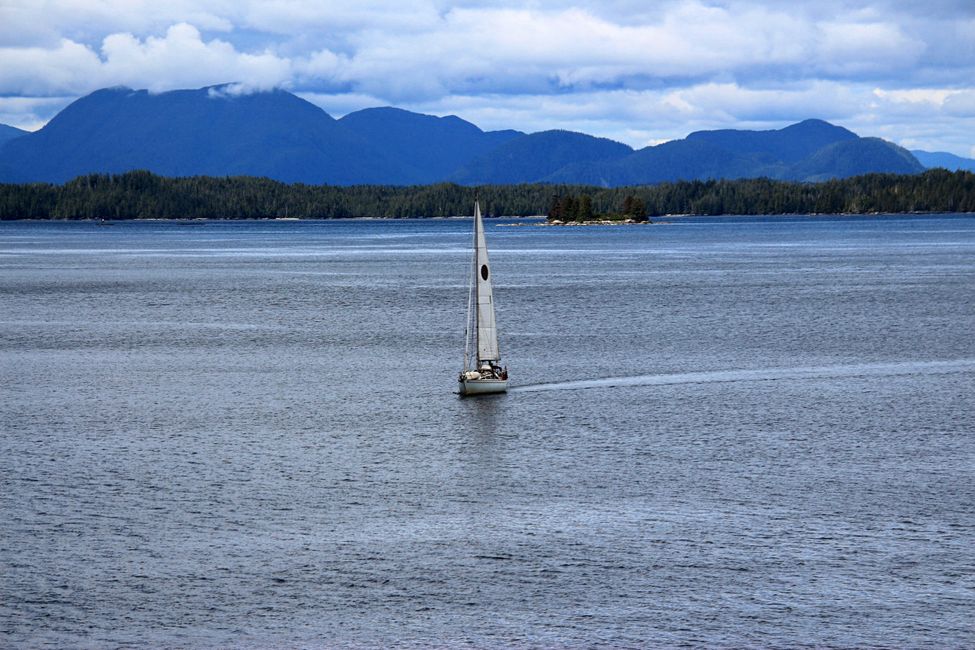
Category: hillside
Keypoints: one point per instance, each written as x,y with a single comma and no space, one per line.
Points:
532,158
10,132
812,150
944,160
197,132
431,147
851,157
215,132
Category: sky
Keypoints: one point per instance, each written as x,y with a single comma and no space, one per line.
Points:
640,72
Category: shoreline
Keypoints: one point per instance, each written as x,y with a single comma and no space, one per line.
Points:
651,221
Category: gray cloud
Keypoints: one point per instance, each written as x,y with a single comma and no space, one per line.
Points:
636,71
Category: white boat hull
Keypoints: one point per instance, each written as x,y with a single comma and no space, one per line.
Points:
483,386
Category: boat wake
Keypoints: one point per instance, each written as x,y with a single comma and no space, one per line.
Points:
764,374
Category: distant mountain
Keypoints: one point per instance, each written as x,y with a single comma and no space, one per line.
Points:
949,161
788,145
215,132
854,157
532,158
10,132
431,147
812,150
198,132
678,159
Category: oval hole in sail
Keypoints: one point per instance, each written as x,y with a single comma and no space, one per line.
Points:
484,271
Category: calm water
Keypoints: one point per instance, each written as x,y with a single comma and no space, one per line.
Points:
722,432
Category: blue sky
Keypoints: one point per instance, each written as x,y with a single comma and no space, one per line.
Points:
638,72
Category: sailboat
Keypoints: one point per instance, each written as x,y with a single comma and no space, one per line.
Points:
482,371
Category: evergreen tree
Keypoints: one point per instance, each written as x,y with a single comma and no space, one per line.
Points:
584,210
555,209
638,209
627,206
568,207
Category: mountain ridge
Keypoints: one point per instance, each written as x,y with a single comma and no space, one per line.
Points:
9,132
214,131
196,132
943,159
435,146
535,154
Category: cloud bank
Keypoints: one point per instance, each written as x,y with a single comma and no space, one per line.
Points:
632,71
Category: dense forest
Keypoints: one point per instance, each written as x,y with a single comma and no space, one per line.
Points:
142,195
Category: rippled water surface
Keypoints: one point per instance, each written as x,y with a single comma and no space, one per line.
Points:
721,432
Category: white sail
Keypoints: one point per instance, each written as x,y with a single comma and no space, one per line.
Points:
487,333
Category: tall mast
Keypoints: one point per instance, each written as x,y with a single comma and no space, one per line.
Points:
469,328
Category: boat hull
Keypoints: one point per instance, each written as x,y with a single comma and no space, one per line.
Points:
482,386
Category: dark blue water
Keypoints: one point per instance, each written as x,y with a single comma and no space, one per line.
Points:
722,432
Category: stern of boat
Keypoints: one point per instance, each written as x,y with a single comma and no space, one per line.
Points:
482,386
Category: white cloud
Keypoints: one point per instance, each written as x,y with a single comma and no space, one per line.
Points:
926,103
624,68
732,103
322,65
68,67
179,59
854,49
288,17
92,20
961,104
489,49
183,59
914,96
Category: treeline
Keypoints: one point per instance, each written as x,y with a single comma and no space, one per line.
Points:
142,195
